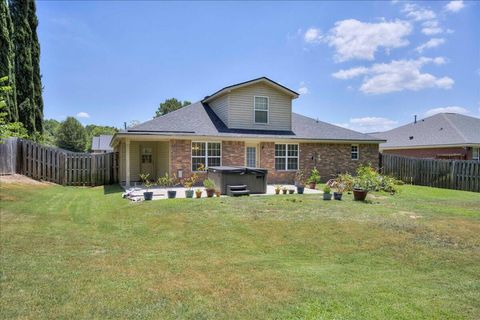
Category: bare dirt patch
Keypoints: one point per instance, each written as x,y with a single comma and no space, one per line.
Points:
19,179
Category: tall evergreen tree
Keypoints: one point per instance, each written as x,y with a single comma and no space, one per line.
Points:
24,71
37,77
7,60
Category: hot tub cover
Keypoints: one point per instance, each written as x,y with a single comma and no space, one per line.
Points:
239,170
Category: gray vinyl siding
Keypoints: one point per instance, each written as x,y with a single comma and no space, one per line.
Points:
220,107
241,114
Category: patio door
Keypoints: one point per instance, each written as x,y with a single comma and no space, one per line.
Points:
146,161
251,156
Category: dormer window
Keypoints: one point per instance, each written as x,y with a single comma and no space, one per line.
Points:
261,109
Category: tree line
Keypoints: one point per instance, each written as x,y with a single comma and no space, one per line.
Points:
20,63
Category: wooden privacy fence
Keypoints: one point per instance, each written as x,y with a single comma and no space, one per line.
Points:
450,174
62,166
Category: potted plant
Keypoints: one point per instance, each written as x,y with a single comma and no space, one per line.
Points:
278,188
209,187
291,191
189,183
284,190
340,184
326,193
169,182
313,179
300,181
367,179
198,193
147,195
218,193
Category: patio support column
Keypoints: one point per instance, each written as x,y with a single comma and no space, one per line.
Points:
127,163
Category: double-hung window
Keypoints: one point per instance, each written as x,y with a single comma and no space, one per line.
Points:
476,153
354,152
260,107
286,156
206,154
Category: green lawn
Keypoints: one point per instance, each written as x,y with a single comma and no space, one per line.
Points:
71,252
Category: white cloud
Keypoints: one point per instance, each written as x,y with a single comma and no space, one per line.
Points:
350,73
432,43
353,39
313,35
397,75
454,6
431,27
303,88
369,124
418,13
82,115
450,109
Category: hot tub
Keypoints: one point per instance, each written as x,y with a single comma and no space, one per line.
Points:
255,179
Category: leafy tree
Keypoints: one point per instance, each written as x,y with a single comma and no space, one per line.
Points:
50,130
71,135
93,130
170,105
37,77
28,85
7,60
8,129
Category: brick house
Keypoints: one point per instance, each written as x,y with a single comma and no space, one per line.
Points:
441,136
246,124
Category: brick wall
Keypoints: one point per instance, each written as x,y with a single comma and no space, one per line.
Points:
432,153
329,159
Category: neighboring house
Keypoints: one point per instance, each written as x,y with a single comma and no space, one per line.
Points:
246,124
441,136
101,144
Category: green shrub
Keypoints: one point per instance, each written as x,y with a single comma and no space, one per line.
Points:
208,183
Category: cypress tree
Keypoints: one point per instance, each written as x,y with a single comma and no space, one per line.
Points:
24,71
7,60
37,77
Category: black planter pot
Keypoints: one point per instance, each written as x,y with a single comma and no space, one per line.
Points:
291,191
337,195
171,194
359,194
148,195
300,189
188,193
327,196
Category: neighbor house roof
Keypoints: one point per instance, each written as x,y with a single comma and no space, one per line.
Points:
198,119
250,82
102,142
443,129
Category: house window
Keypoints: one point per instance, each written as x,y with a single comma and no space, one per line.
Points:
261,109
476,153
354,152
286,156
206,154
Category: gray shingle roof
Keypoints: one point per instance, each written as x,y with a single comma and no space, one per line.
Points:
439,129
102,142
199,119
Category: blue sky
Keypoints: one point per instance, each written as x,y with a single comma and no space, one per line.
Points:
368,66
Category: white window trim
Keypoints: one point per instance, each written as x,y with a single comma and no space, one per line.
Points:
255,109
358,152
287,156
206,153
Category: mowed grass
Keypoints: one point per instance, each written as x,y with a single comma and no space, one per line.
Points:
86,253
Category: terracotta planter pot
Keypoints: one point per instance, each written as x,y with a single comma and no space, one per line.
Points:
210,192
312,185
198,194
218,193
359,194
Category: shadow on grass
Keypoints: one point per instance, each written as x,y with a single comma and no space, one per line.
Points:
112,188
